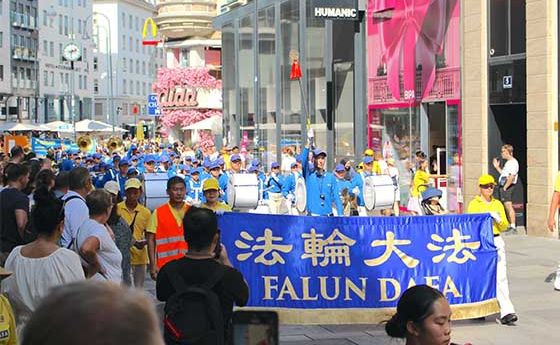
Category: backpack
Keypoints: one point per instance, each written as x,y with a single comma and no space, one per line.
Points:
193,314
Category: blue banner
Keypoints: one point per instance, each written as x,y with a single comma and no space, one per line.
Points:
41,146
362,262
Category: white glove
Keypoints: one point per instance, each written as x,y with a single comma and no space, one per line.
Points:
496,217
220,212
290,197
310,134
356,191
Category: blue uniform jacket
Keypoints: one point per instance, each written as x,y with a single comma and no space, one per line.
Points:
274,183
289,186
194,190
320,185
223,182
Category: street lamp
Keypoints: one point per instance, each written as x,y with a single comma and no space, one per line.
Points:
109,52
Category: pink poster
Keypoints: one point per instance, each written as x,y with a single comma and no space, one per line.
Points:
413,50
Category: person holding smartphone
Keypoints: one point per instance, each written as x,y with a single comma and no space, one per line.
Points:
200,265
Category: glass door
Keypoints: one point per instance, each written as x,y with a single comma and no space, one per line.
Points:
454,158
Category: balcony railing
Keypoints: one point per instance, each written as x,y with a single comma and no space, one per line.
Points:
23,20
23,53
186,18
446,86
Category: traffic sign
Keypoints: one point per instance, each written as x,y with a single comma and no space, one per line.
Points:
153,109
508,82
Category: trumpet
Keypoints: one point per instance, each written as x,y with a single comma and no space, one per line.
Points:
115,144
85,143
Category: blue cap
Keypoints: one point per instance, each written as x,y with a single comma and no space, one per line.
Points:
221,161
89,159
195,161
135,157
103,165
213,165
96,156
195,171
293,165
123,161
235,157
339,168
67,165
274,165
299,158
188,158
255,162
164,159
150,159
206,162
132,170
368,160
116,158
252,169
318,152
172,154
133,147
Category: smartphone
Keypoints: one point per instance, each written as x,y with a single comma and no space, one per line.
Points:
255,328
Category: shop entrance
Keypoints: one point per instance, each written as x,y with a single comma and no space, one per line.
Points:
440,140
507,124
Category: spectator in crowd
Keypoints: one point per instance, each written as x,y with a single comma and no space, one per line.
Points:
8,331
165,230
553,210
420,183
61,183
17,155
201,264
95,241
123,234
485,203
508,182
45,179
88,313
75,208
137,217
211,190
14,209
41,264
46,164
423,317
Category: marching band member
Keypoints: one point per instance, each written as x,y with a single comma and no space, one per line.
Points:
344,190
321,185
360,180
194,188
289,188
274,186
150,165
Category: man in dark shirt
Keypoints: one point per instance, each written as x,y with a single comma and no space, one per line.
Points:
201,263
15,208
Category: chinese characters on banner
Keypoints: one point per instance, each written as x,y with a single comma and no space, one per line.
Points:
361,262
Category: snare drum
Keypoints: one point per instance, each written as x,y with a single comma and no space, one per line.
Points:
243,191
155,190
379,192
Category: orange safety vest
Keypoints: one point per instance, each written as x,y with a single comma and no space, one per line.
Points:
170,237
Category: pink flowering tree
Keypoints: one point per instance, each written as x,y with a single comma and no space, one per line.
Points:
192,78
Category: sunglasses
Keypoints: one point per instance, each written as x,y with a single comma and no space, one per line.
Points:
487,186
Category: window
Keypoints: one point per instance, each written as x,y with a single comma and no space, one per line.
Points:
123,42
85,82
1,67
79,82
144,67
131,65
137,67
130,21
1,39
84,55
124,64
95,64
95,86
507,27
52,78
79,26
137,23
138,88
65,25
60,28
124,86
51,49
137,45
45,47
62,78
45,17
144,90
130,46
131,89
123,19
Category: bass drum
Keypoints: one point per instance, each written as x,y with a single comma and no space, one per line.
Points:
379,192
155,190
301,195
243,191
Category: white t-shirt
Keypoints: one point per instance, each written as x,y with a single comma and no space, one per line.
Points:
108,254
510,168
33,278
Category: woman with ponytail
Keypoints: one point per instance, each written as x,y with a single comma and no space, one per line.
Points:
40,265
423,318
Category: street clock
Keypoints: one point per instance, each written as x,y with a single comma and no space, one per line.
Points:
72,52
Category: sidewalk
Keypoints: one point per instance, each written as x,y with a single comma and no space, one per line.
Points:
531,263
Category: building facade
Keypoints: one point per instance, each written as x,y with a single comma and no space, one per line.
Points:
61,23
134,66
5,57
23,104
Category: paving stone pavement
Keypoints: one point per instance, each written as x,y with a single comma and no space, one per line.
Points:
531,264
